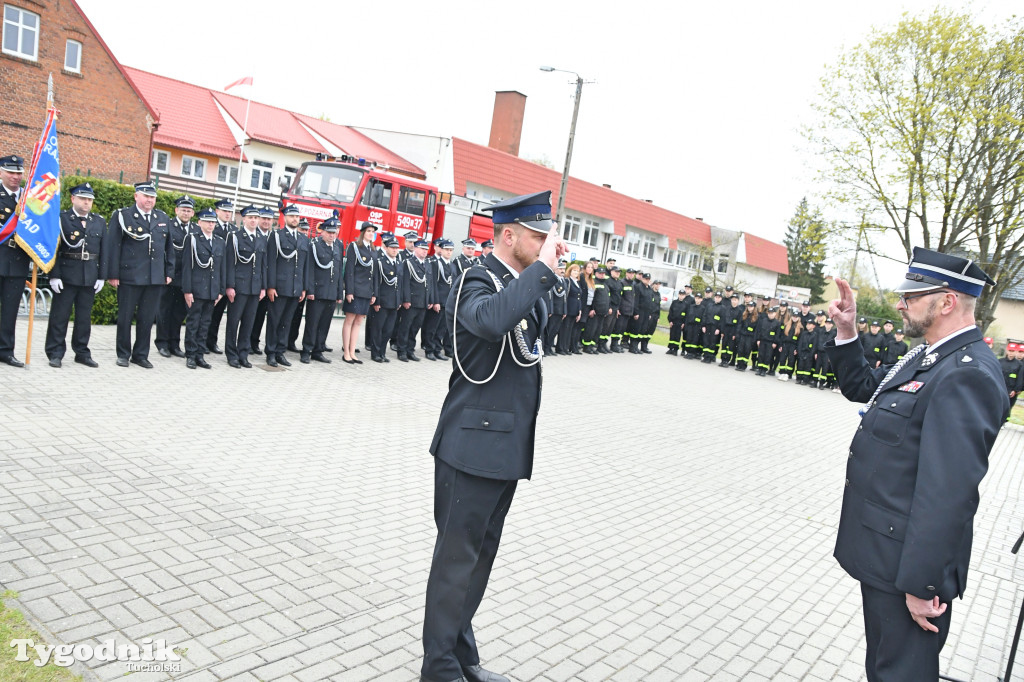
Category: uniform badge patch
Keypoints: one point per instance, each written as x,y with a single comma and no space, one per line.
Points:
523,324
911,387
929,359
966,358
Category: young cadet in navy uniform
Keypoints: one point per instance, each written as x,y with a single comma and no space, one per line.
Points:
75,278
693,326
435,332
730,325
485,434
137,258
712,336
414,294
675,323
14,262
627,303
172,301
874,344
386,300
916,461
766,335
325,290
466,259
1013,370
203,281
592,338
245,267
614,285
287,261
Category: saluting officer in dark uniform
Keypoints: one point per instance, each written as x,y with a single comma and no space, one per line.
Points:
203,278
287,261
325,290
14,262
435,331
414,293
75,278
246,286
225,211
386,299
916,462
172,300
137,258
261,307
484,439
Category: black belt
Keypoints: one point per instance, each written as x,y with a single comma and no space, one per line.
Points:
74,255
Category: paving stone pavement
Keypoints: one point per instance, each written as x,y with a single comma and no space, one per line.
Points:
278,525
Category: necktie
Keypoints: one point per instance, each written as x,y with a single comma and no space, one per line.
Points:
903,362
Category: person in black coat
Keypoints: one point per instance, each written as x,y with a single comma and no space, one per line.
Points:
359,261
874,344
767,336
711,337
895,348
14,262
172,301
675,322
557,299
916,462
386,286
806,354
614,285
138,260
1012,367
415,295
746,337
246,287
75,278
324,290
573,308
287,276
627,306
261,307
203,281
225,211
435,333
484,440
694,326
822,367
789,342
730,323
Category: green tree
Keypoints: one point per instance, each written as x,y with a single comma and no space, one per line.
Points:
805,247
921,129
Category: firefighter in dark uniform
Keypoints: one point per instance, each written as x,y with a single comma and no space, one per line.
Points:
203,280
733,313
807,350
14,262
627,304
634,323
324,290
614,285
415,295
874,344
75,278
916,462
484,439
766,335
378,253
675,323
714,319
172,300
466,259
300,309
602,312
290,213
573,309
694,326
225,211
557,299
485,249
652,310
386,303
246,287
746,336
1012,367
410,239
435,331
137,258
287,262
822,367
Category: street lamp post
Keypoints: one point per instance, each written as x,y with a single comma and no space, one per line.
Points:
572,136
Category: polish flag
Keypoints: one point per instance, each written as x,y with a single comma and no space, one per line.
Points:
241,81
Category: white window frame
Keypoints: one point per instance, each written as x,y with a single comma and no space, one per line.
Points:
228,169
633,243
591,233
289,174
616,243
192,161
669,256
77,68
649,247
571,229
21,28
693,261
680,258
723,263
261,169
154,162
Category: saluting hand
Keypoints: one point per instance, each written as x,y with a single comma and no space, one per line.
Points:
923,609
843,310
553,248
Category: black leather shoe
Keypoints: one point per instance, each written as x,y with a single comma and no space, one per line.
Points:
164,353
424,678
402,358
145,364
203,363
215,349
282,360
55,362
431,356
245,363
413,357
304,357
292,348
331,350
319,357
255,349
190,363
177,352
271,361
377,358
235,363
87,361
122,362
475,673
12,361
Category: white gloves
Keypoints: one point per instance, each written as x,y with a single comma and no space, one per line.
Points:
56,285
99,285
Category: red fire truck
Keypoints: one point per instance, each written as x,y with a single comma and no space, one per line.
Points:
360,192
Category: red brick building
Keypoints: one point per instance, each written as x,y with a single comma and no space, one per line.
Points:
105,124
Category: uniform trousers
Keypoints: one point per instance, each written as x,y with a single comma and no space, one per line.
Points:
412,320
554,327
197,327
710,341
241,314
138,302
728,344
607,325
279,319
432,322
765,355
591,330
633,327
469,512
897,648
621,322
318,323
168,322
787,359
400,313
257,323
11,289
744,350
301,310
81,298
565,334
382,326
215,316
675,333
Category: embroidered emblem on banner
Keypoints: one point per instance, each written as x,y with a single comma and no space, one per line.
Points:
911,387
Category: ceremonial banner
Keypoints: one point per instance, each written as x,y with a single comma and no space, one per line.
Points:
38,229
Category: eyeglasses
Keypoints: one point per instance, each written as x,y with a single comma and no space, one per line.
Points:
905,299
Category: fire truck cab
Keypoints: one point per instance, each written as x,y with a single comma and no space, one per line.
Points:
360,192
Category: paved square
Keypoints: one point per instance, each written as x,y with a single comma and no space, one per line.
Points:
278,524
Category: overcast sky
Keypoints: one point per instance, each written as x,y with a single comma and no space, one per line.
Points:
695,105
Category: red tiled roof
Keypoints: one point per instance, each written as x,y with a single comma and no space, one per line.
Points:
767,255
189,118
354,143
269,124
493,168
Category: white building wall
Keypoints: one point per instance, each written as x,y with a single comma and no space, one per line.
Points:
749,278
430,153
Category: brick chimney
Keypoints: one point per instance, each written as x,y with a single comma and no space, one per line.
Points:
507,121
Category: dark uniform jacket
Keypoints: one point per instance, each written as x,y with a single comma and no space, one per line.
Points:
694,314
894,350
386,283
179,231
874,347
614,293
137,252
441,278
415,285
676,311
78,256
807,345
915,464
488,429
557,297
325,278
602,298
689,301
714,316
652,301
359,277
202,269
573,302
1013,373
14,262
627,304
731,318
767,329
246,262
287,262
461,264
